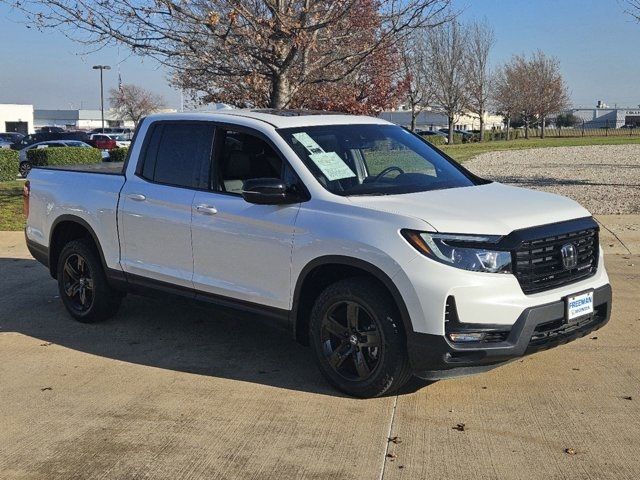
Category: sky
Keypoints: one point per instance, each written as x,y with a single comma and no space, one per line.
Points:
598,46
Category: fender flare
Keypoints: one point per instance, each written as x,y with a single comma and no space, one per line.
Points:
83,223
378,273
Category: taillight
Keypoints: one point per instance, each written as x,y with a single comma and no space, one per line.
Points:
26,193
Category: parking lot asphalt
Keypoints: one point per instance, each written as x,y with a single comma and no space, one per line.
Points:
171,390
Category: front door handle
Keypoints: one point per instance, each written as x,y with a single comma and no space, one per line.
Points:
206,209
138,197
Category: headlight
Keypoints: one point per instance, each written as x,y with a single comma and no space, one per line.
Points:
469,252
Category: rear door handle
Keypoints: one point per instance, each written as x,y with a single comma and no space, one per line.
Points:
206,209
138,197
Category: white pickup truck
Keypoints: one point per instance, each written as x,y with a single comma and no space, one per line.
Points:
384,255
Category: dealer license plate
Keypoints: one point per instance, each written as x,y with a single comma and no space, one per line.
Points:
579,305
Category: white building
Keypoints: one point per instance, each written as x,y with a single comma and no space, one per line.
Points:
603,116
433,120
16,118
78,119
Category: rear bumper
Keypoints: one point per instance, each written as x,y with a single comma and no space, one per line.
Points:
537,328
37,251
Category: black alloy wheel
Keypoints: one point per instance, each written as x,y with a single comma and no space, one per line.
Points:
358,338
83,285
24,168
77,283
350,340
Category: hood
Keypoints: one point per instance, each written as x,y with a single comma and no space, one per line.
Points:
491,209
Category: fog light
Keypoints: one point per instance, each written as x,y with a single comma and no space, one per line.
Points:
467,336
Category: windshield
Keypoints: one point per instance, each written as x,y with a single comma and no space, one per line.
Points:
373,160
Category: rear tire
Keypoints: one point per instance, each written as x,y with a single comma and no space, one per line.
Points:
358,340
82,283
24,169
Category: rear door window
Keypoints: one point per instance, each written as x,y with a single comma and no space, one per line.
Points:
179,154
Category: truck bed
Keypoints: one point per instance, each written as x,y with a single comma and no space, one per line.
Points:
86,192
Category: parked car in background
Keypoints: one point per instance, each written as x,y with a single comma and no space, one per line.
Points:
122,140
25,164
102,141
49,129
432,133
47,137
11,137
115,131
466,136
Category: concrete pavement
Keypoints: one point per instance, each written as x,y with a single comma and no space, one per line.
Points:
169,390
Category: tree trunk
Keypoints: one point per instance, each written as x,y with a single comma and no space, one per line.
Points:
414,114
450,130
481,127
508,126
526,129
542,124
280,92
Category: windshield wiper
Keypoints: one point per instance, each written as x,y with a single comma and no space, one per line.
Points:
366,194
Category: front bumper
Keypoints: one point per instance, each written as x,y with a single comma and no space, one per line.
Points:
537,328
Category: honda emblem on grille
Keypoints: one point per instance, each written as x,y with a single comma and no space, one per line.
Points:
569,255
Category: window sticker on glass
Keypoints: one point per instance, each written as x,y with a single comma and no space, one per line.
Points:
307,142
332,165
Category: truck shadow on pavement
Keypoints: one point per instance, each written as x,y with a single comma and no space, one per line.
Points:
169,333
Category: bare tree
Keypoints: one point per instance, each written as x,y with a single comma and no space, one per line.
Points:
255,52
416,73
634,8
480,41
447,56
131,102
532,88
550,93
504,95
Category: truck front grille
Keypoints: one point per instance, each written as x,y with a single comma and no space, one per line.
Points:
538,263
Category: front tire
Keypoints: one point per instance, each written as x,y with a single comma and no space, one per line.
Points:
82,284
358,340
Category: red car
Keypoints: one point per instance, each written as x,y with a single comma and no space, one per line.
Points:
103,142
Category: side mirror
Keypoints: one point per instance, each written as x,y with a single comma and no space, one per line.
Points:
267,191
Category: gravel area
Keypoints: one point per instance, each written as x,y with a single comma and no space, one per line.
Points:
603,178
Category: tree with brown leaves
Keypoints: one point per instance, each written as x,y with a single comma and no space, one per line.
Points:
131,102
261,53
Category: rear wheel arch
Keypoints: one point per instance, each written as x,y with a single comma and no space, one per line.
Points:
322,272
65,229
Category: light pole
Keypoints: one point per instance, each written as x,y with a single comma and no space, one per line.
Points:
101,68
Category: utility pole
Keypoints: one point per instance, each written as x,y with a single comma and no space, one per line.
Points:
101,68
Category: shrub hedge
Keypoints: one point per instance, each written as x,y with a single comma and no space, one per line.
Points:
435,139
118,155
9,160
458,138
41,157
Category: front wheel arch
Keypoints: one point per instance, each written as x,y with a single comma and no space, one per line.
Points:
321,272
